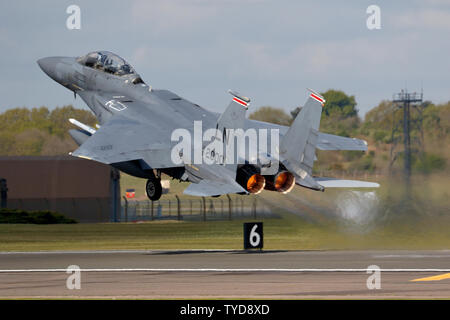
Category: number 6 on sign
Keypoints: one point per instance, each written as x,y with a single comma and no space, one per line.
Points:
253,235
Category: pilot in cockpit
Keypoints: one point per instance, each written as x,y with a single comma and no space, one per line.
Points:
110,63
106,61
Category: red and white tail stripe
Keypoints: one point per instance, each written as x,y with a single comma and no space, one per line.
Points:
318,98
240,101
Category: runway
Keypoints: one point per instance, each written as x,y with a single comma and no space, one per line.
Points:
226,274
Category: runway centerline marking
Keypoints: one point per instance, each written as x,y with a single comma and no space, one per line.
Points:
217,270
434,278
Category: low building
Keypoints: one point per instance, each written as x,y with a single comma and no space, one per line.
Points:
84,190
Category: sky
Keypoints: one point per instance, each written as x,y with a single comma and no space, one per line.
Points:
270,51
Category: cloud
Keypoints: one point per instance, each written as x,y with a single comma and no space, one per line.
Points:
264,48
173,16
320,58
423,20
436,2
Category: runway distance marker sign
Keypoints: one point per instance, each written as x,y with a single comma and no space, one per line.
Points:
253,235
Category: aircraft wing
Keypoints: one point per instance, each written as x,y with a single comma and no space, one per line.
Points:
338,183
124,139
206,188
331,142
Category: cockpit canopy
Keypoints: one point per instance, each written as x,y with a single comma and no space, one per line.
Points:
107,62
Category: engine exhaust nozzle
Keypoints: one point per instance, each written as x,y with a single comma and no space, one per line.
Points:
283,182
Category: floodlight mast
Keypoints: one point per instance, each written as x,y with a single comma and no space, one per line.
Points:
404,99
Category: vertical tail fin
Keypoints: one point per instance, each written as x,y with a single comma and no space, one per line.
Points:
299,142
234,116
298,145
229,125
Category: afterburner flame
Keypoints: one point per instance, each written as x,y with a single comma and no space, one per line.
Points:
256,183
282,182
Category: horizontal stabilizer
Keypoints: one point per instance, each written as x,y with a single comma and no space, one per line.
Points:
206,188
338,183
331,142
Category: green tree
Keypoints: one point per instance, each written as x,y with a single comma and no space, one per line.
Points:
38,131
59,118
339,115
272,115
340,103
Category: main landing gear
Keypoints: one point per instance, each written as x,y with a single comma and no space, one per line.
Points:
153,188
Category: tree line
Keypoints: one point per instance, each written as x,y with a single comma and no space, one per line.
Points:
39,131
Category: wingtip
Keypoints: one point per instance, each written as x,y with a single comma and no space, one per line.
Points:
317,96
315,92
238,95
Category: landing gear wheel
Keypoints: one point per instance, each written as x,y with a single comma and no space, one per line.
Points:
153,189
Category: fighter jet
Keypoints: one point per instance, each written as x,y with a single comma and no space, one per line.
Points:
145,132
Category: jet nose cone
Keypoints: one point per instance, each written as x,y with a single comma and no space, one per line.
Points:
48,65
